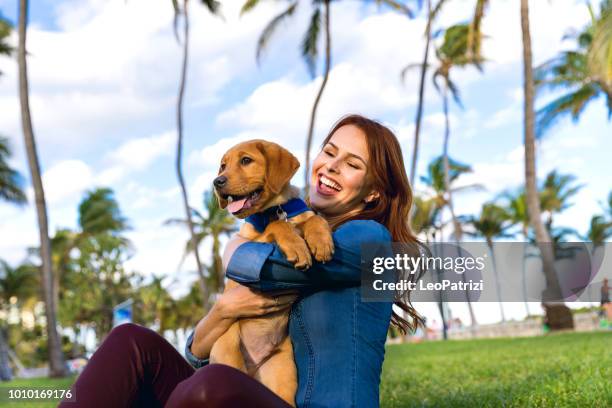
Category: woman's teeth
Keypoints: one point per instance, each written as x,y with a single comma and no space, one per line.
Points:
329,183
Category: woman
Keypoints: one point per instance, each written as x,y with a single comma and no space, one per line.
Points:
359,184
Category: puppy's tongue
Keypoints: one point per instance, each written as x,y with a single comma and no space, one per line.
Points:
237,205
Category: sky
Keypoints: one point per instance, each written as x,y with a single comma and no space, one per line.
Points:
104,79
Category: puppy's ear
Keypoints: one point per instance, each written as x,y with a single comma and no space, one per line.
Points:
281,165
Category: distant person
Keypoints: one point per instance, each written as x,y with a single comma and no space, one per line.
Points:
606,306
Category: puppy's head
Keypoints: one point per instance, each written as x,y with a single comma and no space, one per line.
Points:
251,174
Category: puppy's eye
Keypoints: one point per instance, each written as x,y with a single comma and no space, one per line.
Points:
222,167
245,160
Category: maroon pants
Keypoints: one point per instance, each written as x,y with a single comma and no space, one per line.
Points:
136,367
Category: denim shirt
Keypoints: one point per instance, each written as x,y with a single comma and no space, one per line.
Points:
338,340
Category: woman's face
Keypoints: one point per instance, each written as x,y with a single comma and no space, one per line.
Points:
338,183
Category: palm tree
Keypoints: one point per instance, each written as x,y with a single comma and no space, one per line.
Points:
424,215
158,304
16,286
215,223
584,73
10,180
473,52
5,32
419,112
435,180
493,222
533,203
56,356
99,213
556,190
10,191
452,53
600,54
310,50
424,220
12,281
102,251
212,6
516,209
600,230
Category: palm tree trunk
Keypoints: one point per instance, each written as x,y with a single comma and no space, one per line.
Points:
313,114
56,357
532,198
456,225
6,373
218,262
441,306
497,286
179,155
419,112
524,276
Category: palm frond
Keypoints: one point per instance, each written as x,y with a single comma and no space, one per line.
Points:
396,5
410,67
310,42
177,12
566,70
474,40
572,104
271,28
454,92
437,8
5,32
11,182
248,6
213,6
600,51
175,221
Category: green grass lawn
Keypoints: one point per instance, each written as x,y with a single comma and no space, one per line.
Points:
63,383
561,370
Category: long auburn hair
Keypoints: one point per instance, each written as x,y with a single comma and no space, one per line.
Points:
387,175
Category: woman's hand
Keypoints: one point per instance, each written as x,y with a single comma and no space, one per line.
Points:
241,301
235,303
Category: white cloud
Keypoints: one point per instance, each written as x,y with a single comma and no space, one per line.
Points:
66,179
138,154
108,68
507,115
502,26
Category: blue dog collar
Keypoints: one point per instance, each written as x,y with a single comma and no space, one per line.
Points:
290,209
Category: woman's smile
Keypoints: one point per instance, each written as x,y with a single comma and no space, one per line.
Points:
327,186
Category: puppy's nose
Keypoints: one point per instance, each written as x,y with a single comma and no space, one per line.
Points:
220,181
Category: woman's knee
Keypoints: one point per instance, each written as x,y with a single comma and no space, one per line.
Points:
130,334
128,331
211,386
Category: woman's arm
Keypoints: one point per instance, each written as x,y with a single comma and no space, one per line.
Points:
233,304
263,266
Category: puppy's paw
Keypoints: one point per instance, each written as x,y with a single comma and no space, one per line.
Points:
322,247
317,234
296,251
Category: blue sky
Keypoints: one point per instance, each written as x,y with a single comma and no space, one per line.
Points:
104,76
